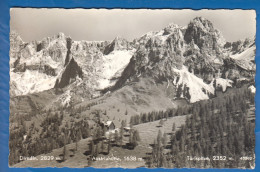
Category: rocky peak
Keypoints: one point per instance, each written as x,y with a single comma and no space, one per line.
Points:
202,23
117,44
204,35
60,35
238,46
16,45
171,28
15,39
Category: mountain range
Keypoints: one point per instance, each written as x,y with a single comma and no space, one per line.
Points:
151,72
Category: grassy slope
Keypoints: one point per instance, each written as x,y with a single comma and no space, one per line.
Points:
135,98
78,159
148,132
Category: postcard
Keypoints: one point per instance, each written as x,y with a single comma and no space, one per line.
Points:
132,88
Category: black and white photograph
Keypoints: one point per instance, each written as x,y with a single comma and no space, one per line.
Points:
131,88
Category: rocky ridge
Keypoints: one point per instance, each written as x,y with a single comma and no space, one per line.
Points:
194,61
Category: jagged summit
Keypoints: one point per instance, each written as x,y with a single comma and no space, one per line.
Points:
202,23
117,44
60,35
171,28
204,34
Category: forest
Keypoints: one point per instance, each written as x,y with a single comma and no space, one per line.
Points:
218,129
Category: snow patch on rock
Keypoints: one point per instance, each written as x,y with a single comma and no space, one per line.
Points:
252,89
113,65
248,54
223,83
245,58
30,82
195,84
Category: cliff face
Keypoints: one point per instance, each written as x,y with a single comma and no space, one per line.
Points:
72,70
35,65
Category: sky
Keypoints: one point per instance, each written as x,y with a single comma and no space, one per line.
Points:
102,24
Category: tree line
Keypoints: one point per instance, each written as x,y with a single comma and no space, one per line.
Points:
157,115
